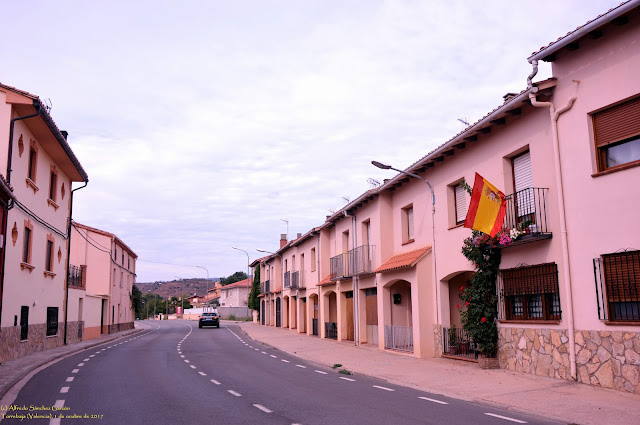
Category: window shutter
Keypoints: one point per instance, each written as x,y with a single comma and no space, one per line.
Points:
617,123
410,222
622,276
461,204
523,182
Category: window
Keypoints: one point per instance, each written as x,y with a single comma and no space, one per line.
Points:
123,258
345,241
461,203
523,188
407,224
617,135
24,323
33,162
121,276
366,232
48,259
52,321
530,293
313,259
26,251
622,285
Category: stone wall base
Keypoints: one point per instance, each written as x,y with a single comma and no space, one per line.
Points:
119,327
37,340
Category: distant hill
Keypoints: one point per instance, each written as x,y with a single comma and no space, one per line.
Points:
176,288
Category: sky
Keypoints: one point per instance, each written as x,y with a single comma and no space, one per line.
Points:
205,124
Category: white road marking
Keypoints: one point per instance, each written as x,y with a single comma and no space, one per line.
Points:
187,361
192,366
433,400
93,355
75,371
506,418
299,365
202,373
182,356
321,372
70,379
347,379
274,356
215,382
97,352
234,393
256,349
286,361
383,388
86,360
59,404
110,346
263,352
261,407
80,364
64,390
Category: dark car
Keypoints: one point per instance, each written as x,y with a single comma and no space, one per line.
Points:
209,319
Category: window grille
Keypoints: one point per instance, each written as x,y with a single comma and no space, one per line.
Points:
52,321
529,293
617,279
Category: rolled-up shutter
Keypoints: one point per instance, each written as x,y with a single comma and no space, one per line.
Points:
523,182
461,204
617,123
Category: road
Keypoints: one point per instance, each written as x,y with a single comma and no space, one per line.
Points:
174,373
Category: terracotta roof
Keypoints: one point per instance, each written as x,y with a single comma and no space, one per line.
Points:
261,295
326,281
405,259
277,290
241,284
576,34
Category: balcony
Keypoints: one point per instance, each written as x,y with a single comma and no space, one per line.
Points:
295,280
356,262
287,279
264,287
75,277
527,211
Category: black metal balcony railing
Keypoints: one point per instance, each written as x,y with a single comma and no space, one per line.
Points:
331,330
456,342
527,211
74,277
295,280
287,279
353,263
264,287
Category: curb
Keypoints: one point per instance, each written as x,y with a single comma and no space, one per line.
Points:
4,389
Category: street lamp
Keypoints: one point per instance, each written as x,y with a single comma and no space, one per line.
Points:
247,260
433,225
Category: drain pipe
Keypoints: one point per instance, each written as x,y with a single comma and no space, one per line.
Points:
555,114
356,310
36,105
66,300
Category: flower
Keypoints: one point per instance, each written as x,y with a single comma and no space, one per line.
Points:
457,305
484,319
461,288
466,303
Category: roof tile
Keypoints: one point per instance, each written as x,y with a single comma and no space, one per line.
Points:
405,259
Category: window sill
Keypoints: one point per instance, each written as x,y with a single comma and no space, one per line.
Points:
32,185
51,336
530,322
456,226
49,274
408,242
53,204
622,323
618,168
27,266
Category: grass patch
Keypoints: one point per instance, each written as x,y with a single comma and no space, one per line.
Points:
345,372
336,365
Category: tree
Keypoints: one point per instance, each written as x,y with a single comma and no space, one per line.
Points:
254,301
136,301
236,277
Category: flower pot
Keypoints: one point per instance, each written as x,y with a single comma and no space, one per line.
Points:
488,362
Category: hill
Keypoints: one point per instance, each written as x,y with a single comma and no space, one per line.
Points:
176,288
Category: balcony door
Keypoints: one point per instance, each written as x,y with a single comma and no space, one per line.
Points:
523,188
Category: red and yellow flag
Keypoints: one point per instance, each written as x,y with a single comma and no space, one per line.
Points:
487,208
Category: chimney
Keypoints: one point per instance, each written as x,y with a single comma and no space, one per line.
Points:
299,236
507,97
64,134
283,239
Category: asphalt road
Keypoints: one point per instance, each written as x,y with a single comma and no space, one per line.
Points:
176,373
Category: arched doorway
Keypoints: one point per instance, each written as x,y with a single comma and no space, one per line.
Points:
313,313
278,317
331,316
455,341
398,334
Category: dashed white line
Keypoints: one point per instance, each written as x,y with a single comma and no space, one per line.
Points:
80,364
256,349
202,373
86,360
321,372
506,418
234,393
64,390
54,421
286,361
263,352
75,371
433,400
299,365
275,357
215,382
70,379
383,388
187,361
182,355
192,366
264,409
347,379
59,404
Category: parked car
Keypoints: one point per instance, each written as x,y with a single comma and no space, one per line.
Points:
209,319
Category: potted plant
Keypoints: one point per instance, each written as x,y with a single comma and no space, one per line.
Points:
453,340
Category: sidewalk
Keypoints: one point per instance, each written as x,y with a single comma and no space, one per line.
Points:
12,371
552,398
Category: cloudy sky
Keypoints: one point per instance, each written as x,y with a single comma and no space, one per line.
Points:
203,124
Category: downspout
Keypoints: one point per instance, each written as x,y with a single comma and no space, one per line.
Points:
36,105
563,221
66,280
5,221
356,333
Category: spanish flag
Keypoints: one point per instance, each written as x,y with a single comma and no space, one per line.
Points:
487,208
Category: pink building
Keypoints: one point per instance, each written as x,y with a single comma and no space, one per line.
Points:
40,169
108,268
565,151
235,294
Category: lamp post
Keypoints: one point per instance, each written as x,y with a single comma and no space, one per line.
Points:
433,226
281,269
248,267
147,299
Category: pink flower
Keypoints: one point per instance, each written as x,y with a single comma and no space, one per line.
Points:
484,319
466,303
457,305
461,288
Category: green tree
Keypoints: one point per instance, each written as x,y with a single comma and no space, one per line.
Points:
236,277
136,301
254,301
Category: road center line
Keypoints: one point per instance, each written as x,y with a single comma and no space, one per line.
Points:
506,418
80,364
383,388
263,352
215,382
64,390
70,379
261,407
321,372
202,373
299,365
347,379
275,357
286,361
75,371
234,393
86,360
433,400
182,355
187,361
192,366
